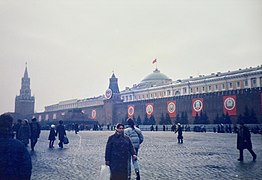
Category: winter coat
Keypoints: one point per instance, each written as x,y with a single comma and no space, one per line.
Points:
51,134
118,150
179,130
60,131
243,138
135,136
15,161
24,133
35,130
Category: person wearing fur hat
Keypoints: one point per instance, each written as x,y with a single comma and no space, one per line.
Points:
136,137
35,132
244,142
51,136
15,161
61,133
118,149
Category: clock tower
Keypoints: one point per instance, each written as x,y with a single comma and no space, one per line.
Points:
112,96
25,103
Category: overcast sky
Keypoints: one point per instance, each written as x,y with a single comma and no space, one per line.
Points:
72,46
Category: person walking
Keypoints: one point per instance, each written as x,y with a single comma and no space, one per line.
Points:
179,136
244,142
118,149
17,127
136,138
60,131
24,132
15,160
35,132
51,136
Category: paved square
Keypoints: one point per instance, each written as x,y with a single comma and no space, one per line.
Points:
202,156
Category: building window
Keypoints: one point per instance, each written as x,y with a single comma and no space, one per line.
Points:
203,89
230,85
126,98
197,89
216,87
130,97
40,118
168,92
246,83
191,90
209,88
151,95
177,93
253,82
164,93
223,86
46,117
238,84
184,90
54,116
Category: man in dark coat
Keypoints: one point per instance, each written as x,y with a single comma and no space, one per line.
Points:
244,142
35,133
60,131
179,136
15,161
118,149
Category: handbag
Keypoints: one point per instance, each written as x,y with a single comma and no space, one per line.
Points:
65,141
104,173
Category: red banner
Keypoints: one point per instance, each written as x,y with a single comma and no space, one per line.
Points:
171,108
131,111
93,114
197,106
149,109
230,105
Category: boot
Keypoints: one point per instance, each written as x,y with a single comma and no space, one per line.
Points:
137,175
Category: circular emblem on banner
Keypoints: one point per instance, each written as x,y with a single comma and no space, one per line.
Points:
171,107
109,93
229,103
149,109
197,105
93,114
131,110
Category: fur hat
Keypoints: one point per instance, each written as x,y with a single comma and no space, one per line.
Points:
6,122
52,126
130,122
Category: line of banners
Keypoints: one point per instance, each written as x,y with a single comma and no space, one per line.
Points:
197,106
229,106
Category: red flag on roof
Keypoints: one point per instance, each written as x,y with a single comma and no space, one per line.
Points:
154,61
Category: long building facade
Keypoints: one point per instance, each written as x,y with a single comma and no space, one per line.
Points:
228,93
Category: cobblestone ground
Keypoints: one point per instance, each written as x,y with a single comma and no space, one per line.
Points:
202,156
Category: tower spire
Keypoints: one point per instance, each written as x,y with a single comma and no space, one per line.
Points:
26,73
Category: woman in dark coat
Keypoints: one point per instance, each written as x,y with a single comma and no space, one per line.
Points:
118,149
60,131
244,142
24,132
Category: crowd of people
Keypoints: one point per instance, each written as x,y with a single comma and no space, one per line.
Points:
121,152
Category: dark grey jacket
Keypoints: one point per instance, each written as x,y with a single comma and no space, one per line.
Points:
15,161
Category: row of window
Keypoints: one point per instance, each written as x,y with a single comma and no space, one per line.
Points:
193,90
